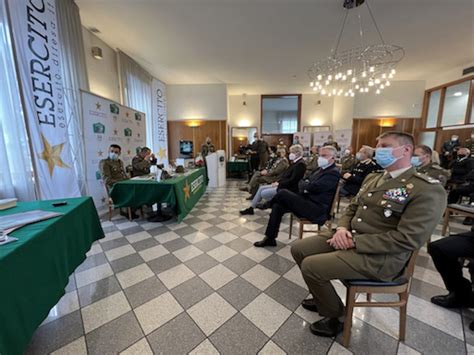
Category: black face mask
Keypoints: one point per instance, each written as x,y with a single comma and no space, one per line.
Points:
460,156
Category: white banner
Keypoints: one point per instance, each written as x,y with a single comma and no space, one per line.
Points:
107,122
35,35
160,126
343,137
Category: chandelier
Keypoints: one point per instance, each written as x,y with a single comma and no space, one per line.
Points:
363,69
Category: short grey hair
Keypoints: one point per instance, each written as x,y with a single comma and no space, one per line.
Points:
297,149
331,149
368,150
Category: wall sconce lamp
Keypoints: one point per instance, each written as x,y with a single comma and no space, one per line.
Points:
97,53
193,123
387,122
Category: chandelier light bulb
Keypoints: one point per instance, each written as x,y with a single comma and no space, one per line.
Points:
390,75
329,94
361,90
357,87
327,82
393,71
364,74
371,83
387,83
372,69
377,92
334,91
319,77
315,88
353,79
377,81
382,87
329,77
323,92
344,77
366,89
349,72
311,84
384,76
352,94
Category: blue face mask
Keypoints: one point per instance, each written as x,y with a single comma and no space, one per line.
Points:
384,156
415,161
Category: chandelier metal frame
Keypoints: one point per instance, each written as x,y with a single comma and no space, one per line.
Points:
362,69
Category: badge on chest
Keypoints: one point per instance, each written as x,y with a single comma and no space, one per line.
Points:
399,194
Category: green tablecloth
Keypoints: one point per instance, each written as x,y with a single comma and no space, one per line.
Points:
35,269
182,191
237,166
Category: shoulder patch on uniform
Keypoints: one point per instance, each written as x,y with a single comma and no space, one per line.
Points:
437,167
427,178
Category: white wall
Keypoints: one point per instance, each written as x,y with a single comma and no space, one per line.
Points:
204,102
244,116
447,76
343,112
314,113
401,99
103,74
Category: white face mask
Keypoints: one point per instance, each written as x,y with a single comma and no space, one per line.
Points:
359,156
292,156
323,162
113,156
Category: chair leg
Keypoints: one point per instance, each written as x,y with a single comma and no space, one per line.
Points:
369,297
338,203
129,210
110,212
350,301
291,225
403,316
446,223
301,231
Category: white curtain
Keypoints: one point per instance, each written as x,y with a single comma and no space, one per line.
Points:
74,79
136,87
16,172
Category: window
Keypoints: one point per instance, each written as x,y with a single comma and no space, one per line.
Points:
455,104
433,109
280,113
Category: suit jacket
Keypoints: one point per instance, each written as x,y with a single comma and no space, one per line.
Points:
460,169
359,173
320,188
292,176
389,221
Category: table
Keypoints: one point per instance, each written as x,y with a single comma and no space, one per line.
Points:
35,269
182,191
239,167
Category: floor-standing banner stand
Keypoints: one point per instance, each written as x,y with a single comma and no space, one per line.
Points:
107,122
38,63
159,119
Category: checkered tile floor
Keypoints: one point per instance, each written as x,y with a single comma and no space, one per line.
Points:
200,287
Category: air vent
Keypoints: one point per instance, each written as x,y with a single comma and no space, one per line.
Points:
468,71
94,29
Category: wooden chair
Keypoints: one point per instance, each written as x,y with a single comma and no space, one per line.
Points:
402,288
349,197
110,205
456,209
303,221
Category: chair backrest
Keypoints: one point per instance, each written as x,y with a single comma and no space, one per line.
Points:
332,211
410,268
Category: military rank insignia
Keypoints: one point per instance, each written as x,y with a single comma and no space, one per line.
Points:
399,194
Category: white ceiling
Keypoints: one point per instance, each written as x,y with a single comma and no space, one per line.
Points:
256,46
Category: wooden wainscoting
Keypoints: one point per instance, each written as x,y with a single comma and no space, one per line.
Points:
366,130
196,131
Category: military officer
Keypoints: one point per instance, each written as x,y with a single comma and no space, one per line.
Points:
365,166
207,148
393,215
469,144
312,161
348,161
421,160
112,168
269,176
142,162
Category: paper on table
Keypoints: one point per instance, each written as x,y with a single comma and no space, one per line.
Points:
14,221
8,240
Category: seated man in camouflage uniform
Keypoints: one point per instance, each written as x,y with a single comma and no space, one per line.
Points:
312,161
113,171
270,175
142,162
421,160
393,215
348,161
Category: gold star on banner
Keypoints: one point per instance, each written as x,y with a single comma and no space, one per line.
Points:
162,153
103,199
187,191
127,114
129,152
115,132
138,135
100,153
52,155
98,105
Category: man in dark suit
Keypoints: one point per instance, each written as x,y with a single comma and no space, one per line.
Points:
313,200
462,166
446,253
289,180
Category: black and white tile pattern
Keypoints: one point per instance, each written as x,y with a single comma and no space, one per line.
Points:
200,287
